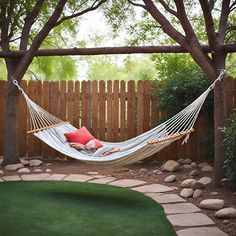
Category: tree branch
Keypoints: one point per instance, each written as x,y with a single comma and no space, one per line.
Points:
92,8
43,33
167,8
29,21
209,23
225,11
182,16
112,50
136,4
4,25
232,6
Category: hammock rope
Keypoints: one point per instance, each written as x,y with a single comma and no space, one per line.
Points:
45,126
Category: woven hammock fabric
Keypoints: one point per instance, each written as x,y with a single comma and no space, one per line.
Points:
45,127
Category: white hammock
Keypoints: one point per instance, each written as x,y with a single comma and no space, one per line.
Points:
46,127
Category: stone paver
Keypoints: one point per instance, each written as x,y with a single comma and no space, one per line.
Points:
153,188
55,177
11,178
1,180
181,208
34,177
127,183
102,180
201,231
193,219
78,178
166,198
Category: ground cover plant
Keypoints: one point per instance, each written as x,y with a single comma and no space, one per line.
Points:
69,208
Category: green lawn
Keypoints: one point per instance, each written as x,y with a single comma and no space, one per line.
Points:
69,208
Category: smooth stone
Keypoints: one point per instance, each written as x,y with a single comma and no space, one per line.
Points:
1,172
194,173
171,165
180,160
213,204
225,222
207,168
197,185
170,179
48,171
23,171
187,161
158,172
187,183
187,166
35,163
197,193
92,173
202,164
214,193
186,192
224,182
48,164
37,171
205,180
193,164
24,162
142,170
14,166
226,213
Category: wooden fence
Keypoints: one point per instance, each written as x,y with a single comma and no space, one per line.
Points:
112,110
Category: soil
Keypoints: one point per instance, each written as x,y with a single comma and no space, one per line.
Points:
150,171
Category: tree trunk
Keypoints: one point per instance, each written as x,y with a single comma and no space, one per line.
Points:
11,152
219,122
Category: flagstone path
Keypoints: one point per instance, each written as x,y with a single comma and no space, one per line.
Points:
179,212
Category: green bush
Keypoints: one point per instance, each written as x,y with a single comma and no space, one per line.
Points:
182,81
230,149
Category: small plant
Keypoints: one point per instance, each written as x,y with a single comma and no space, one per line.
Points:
230,149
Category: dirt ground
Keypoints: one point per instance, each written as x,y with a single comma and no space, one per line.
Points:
149,171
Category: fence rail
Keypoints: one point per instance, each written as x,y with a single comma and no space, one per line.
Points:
111,110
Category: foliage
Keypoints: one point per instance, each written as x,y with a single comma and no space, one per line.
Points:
230,149
3,71
109,68
182,82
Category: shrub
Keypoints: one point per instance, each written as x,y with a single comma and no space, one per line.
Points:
230,149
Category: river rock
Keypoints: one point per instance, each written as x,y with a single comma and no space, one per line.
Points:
197,193
226,213
14,166
187,183
205,180
24,162
35,163
202,164
23,171
48,171
213,204
171,165
197,185
214,193
207,168
193,164
186,192
170,179
187,161
187,166
37,171
194,173
1,172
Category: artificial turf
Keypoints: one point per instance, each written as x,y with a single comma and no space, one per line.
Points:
70,208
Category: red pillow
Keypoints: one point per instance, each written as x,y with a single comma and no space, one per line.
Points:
81,135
